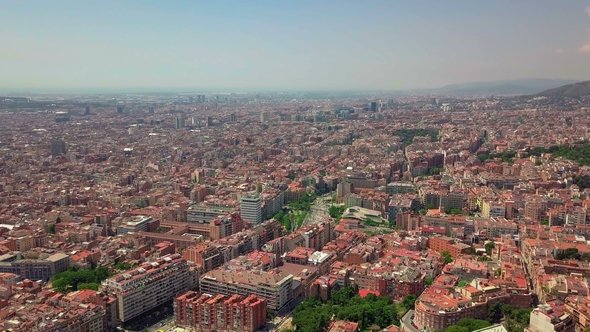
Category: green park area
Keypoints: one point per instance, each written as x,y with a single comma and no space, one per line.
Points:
407,135
77,279
345,304
296,213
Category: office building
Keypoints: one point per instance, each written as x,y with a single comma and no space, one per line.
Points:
206,312
264,116
62,116
251,208
151,110
190,99
204,214
34,269
148,286
373,106
87,110
119,109
232,117
209,121
58,147
275,288
137,224
179,122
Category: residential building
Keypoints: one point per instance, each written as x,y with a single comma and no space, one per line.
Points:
206,312
148,286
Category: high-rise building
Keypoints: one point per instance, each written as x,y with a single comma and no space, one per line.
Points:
209,121
119,109
232,117
58,147
87,110
179,122
373,106
190,99
151,110
206,312
148,286
264,117
251,208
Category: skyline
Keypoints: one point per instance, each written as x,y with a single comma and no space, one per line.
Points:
134,46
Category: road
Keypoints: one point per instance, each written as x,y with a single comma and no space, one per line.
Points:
407,322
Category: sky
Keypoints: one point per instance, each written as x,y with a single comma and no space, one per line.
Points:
131,45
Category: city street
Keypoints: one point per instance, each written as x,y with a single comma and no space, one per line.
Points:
407,322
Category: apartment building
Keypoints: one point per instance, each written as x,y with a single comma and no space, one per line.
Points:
205,312
492,209
551,316
439,307
226,225
273,200
148,286
444,243
204,254
275,287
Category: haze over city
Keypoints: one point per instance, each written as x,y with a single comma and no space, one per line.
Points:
127,46
295,166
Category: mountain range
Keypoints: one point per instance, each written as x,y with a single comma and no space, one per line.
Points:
522,86
575,90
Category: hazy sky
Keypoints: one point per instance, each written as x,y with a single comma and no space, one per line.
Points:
288,44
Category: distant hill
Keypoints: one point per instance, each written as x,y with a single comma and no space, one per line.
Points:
523,86
575,90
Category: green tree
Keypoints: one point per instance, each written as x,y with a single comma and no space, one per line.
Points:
336,211
51,228
90,285
428,281
456,328
447,257
71,279
270,315
409,301
483,157
474,324
495,314
456,211
123,266
490,247
313,314
569,253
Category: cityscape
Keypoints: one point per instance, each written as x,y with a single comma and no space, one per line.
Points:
263,212
294,167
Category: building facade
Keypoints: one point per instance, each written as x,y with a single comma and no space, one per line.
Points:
205,312
148,286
